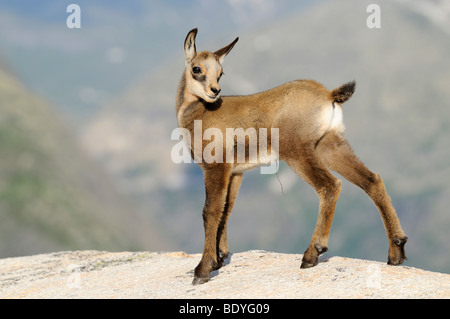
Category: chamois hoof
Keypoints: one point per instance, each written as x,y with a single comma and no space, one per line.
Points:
309,261
200,277
202,272
199,280
305,265
397,251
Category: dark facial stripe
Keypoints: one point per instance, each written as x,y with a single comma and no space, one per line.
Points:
199,77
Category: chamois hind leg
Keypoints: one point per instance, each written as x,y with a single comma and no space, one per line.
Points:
216,186
327,187
233,190
338,156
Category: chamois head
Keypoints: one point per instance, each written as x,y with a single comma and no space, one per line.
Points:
204,69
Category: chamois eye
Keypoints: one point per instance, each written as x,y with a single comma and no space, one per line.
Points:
196,70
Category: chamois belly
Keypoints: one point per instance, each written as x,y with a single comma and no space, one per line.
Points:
255,162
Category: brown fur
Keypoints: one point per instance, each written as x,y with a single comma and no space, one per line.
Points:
311,142
343,93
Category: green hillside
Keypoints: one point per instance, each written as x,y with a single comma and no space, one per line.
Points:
51,197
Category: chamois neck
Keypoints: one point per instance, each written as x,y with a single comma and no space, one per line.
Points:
184,97
180,92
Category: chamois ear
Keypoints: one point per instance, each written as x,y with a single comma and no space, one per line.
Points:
189,45
222,53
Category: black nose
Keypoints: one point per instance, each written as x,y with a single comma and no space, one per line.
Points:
215,91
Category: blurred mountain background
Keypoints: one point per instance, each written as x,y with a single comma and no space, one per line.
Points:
86,117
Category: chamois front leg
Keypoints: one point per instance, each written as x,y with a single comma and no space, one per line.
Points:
217,181
233,190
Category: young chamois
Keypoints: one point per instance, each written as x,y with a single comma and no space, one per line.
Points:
311,142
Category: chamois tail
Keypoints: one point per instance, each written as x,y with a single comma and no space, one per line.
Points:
343,93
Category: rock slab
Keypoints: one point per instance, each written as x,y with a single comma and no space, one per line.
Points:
251,274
